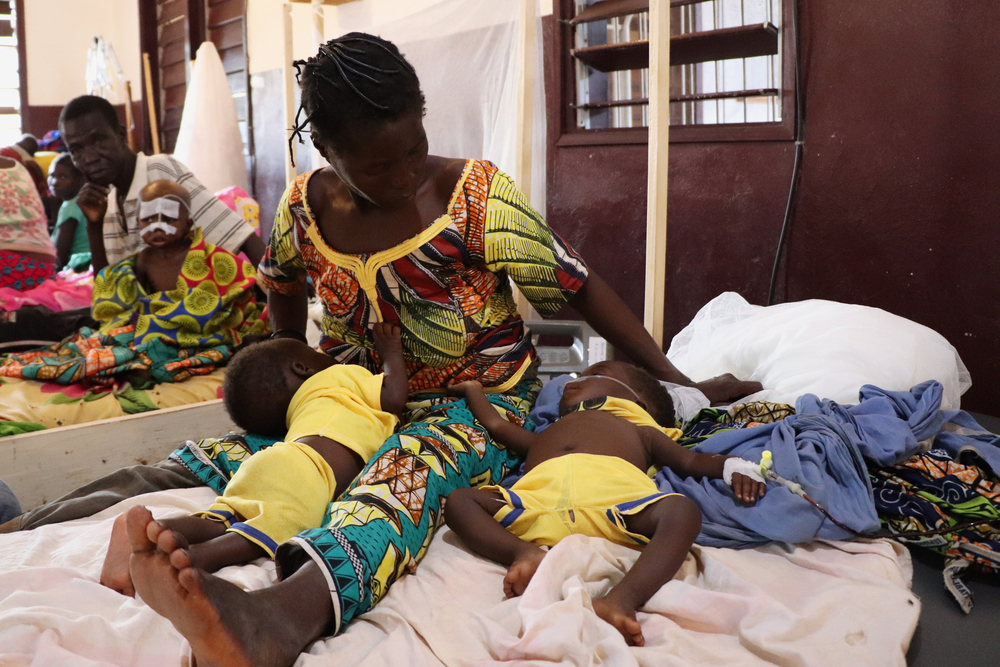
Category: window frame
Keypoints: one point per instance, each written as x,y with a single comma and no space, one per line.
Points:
22,66
571,135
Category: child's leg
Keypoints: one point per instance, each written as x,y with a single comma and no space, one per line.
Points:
672,524
469,512
212,549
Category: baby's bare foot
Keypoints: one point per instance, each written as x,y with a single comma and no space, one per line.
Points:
522,570
622,617
114,573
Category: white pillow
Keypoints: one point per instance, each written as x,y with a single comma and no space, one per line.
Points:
816,347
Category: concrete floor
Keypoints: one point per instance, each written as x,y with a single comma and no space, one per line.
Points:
946,636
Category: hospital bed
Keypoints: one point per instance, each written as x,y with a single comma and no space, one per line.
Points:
822,603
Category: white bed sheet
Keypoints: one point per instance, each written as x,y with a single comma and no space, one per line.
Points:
824,604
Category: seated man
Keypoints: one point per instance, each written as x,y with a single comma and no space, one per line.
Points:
175,310
587,474
115,176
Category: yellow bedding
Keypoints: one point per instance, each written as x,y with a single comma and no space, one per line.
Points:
55,405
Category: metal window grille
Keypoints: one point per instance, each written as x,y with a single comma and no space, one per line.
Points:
708,85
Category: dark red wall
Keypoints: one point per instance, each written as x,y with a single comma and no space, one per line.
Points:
899,199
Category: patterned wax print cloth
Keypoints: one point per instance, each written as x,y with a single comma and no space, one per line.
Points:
447,287
711,421
31,166
160,337
932,491
21,274
382,525
237,199
23,228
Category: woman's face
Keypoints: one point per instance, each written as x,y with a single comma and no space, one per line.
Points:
383,163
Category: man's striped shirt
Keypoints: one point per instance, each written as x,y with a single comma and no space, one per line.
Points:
220,225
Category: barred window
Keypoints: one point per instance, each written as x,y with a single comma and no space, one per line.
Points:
726,63
10,75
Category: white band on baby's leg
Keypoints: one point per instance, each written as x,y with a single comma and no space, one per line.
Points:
743,467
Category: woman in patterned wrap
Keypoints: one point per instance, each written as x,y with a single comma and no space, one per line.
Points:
390,233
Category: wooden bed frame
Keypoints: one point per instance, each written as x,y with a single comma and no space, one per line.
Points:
42,466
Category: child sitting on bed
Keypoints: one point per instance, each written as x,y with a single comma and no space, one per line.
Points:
338,416
587,473
176,309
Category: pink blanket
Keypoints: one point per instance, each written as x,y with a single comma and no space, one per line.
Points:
65,291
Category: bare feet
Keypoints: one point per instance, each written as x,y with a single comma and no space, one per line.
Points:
226,626
622,617
115,574
522,570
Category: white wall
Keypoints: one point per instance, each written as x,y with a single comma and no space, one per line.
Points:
58,34
265,31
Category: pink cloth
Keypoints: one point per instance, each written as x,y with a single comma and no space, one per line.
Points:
64,291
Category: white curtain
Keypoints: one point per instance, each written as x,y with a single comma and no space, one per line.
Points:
466,54
209,140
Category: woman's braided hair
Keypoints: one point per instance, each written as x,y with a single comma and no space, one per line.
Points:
356,78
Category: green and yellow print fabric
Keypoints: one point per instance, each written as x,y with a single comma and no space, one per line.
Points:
447,287
212,304
160,337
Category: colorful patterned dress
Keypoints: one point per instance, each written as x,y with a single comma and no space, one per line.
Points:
161,336
448,289
23,228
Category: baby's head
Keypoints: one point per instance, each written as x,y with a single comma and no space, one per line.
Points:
261,380
65,180
164,213
621,380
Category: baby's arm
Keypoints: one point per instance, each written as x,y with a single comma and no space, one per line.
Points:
511,436
388,344
664,452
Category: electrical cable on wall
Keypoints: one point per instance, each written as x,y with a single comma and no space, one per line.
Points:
797,164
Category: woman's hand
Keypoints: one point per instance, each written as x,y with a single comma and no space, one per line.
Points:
93,201
724,389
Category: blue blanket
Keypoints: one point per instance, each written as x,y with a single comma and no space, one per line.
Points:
823,447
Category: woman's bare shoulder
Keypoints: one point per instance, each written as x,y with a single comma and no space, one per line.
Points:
445,172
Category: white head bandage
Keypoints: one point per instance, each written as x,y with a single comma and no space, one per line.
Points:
165,227
168,206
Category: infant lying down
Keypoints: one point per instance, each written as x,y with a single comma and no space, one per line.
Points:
587,474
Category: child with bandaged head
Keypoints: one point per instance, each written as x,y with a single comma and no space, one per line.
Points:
587,474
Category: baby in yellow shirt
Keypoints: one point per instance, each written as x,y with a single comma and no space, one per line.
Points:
587,474
337,417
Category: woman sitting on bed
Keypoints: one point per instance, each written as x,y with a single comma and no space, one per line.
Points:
176,309
388,233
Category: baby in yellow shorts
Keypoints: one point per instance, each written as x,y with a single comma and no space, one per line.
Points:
337,417
587,474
